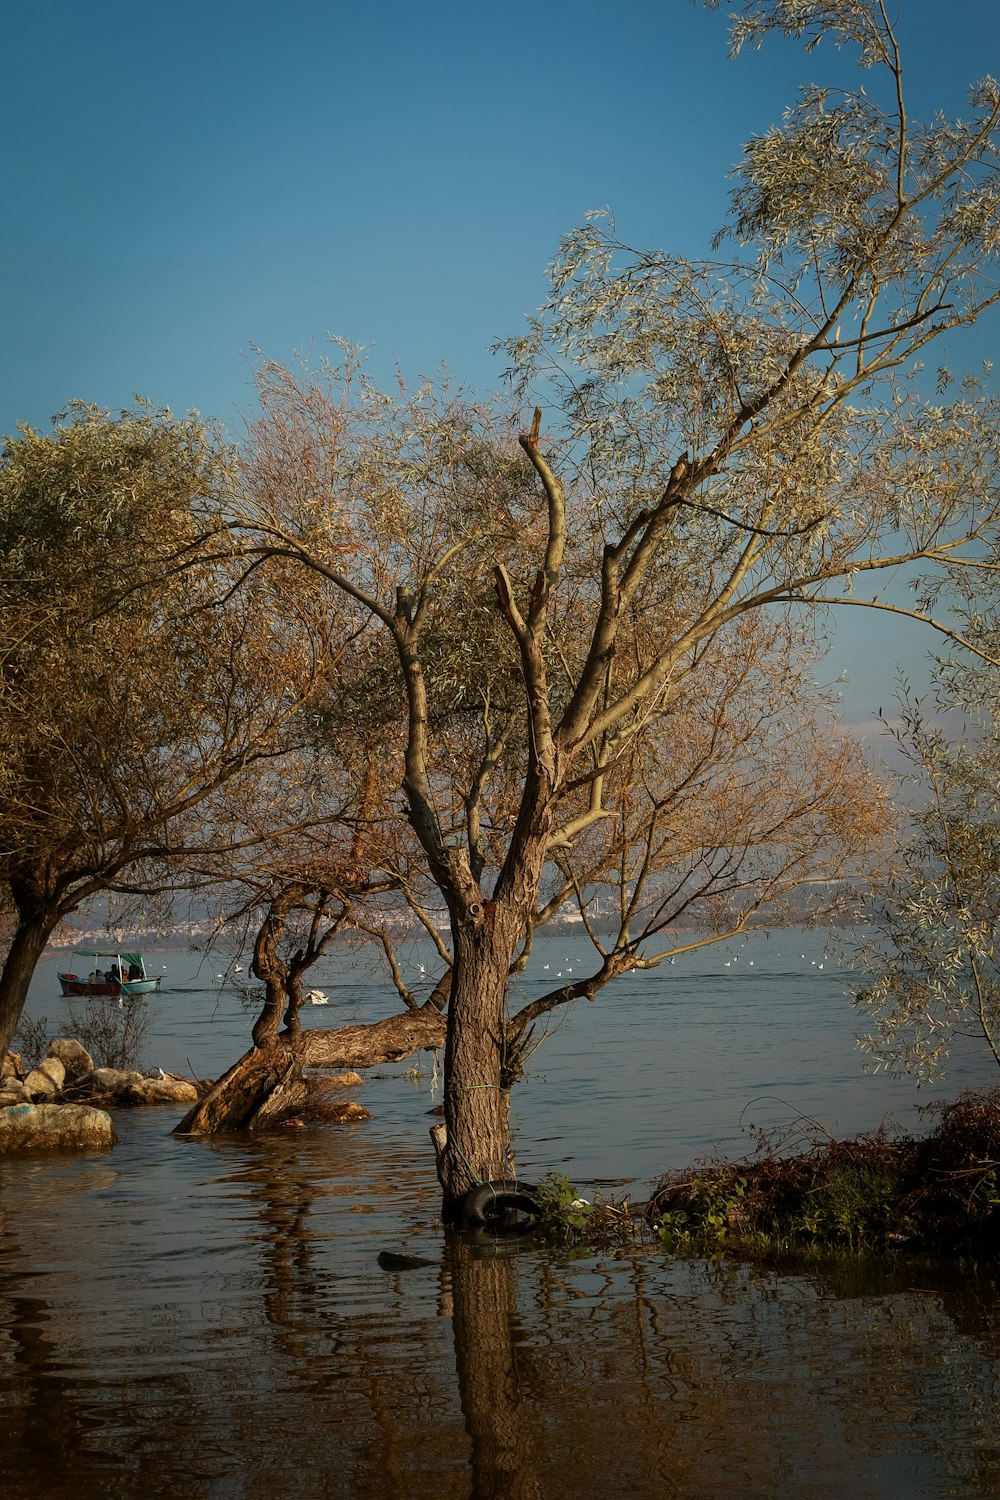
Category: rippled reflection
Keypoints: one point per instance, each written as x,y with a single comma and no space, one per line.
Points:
185,1319
198,1319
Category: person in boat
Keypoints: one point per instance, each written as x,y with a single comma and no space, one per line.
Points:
134,971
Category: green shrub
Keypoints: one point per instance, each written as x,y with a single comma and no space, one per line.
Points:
875,1191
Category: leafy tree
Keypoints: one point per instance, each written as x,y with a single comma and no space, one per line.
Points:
583,646
932,965
143,704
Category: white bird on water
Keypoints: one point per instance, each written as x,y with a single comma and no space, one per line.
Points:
315,997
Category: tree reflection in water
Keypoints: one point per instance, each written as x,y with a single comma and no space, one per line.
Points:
221,1328
503,1423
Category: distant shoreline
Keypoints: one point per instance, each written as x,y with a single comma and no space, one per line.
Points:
201,940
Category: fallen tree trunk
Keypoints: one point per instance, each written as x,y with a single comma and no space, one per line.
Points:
270,1081
365,1046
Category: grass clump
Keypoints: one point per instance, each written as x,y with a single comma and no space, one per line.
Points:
938,1191
566,1218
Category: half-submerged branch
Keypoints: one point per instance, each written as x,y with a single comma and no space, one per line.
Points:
268,1082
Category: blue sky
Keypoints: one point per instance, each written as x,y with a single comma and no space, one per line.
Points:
184,183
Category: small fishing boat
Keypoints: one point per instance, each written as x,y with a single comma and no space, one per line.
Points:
95,974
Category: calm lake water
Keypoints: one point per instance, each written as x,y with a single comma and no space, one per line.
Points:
208,1319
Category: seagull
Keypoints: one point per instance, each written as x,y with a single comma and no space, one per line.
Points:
315,997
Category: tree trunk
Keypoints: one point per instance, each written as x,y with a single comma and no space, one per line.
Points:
476,1146
27,947
269,1081
268,967
499,1418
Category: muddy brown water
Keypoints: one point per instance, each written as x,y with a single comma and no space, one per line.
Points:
209,1319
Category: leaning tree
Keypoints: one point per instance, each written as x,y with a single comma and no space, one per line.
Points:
144,705
332,879
718,449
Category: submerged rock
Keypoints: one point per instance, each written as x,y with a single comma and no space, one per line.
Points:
54,1127
165,1090
346,1111
66,1081
111,1080
348,1080
390,1261
127,1087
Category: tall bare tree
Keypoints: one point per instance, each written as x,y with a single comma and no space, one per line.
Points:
567,634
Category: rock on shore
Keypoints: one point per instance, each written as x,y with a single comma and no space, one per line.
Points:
61,1104
59,1127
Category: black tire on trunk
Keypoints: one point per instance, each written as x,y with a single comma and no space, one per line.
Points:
499,1205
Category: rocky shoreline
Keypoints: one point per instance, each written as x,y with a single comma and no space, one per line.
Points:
64,1101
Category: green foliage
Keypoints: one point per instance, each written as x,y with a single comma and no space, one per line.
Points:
710,1214
145,685
105,656
568,1219
938,1191
563,1211
98,507
932,968
853,1205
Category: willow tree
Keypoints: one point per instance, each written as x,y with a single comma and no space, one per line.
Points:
931,959
557,628
143,704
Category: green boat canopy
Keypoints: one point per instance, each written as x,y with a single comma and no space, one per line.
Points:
132,958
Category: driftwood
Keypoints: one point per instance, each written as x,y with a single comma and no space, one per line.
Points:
270,1081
